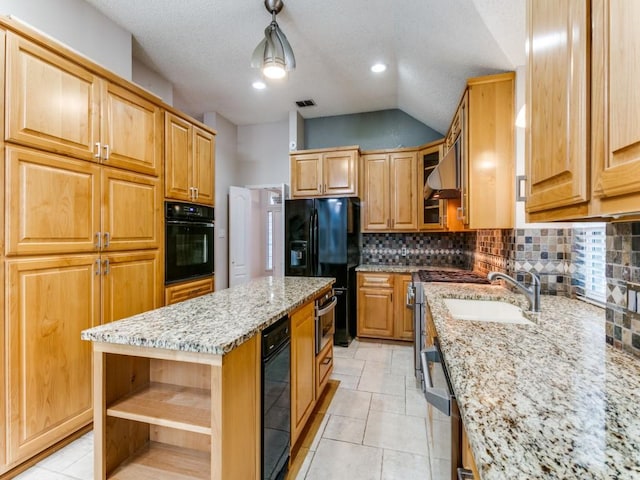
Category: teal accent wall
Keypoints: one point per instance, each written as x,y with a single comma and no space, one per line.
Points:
370,130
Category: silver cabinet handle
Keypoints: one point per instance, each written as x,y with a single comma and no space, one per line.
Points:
96,154
97,266
98,240
459,214
107,238
107,151
195,189
106,267
320,187
325,188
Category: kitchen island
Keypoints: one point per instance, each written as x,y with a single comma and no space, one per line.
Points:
177,389
550,400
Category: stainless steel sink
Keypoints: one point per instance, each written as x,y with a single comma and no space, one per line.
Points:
486,311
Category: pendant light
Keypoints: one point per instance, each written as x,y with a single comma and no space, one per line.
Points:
273,55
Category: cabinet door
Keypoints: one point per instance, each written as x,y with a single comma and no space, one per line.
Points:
340,172
615,106
375,305
430,212
306,175
54,203
204,166
131,131
375,207
131,212
177,157
132,283
51,103
403,316
403,198
302,368
50,301
185,291
557,105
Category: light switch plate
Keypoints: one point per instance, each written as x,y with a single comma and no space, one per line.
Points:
632,300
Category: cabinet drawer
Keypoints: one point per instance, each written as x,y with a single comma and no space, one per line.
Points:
379,280
185,291
324,367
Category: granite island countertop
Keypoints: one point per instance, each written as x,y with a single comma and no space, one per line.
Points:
545,401
215,323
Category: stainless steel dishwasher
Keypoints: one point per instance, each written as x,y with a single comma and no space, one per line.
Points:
443,417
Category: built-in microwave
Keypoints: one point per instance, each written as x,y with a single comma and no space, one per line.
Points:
189,235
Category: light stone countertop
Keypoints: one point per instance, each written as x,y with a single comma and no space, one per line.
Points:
215,323
397,268
545,401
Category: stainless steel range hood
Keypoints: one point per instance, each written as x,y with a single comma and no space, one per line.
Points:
444,180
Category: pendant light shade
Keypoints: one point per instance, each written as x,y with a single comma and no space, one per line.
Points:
274,54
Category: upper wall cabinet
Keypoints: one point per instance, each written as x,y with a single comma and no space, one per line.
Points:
55,105
324,173
485,139
189,161
431,213
557,109
390,191
615,104
583,134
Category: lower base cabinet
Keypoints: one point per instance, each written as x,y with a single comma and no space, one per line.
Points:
168,414
382,312
468,461
184,291
302,368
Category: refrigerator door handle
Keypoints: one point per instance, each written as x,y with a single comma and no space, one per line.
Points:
311,247
316,267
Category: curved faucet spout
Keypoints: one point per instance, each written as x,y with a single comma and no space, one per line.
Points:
532,293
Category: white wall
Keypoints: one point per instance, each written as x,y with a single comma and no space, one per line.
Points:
152,81
81,27
263,153
226,175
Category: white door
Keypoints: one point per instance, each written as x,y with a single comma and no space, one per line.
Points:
239,235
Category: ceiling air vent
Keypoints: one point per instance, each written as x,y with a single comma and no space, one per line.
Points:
306,103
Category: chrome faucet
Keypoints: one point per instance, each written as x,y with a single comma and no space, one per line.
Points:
532,293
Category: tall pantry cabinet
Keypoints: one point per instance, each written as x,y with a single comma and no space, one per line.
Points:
82,240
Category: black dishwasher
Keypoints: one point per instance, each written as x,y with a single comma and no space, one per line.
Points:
276,401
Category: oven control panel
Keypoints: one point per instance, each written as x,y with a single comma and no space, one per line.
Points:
188,211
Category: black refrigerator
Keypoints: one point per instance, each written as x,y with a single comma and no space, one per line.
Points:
322,239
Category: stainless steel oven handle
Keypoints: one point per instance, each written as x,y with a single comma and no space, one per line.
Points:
332,304
190,224
434,396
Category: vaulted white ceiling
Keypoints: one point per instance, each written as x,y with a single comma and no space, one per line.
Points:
204,47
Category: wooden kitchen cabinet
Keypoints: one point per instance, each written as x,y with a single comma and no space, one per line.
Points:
56,105
171,414
184,291
615,103
303,367
557,132
324,367
431,213
375,305
486,129
49,302
403,316
60,204
468,462
382,311
189,161
390,191
324,172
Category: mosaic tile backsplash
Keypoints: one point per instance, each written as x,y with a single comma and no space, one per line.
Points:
623,266
439,249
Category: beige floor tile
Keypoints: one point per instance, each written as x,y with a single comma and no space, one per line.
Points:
405,466
416,405
65,457
350,403
348,366
380,382
82,469
336,460
304,468
381,355
345,429
381,402
439,434
316,440
39,473
344,352
396,432
346,381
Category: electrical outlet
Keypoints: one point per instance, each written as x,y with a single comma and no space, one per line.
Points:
404,251
633,297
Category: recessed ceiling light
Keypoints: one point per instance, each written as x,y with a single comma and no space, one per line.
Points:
378,68
258,85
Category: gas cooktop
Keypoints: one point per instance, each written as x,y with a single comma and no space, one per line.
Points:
454,276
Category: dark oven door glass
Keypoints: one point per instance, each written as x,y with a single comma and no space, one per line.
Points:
189,250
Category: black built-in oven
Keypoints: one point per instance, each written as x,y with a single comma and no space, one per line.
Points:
188,241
